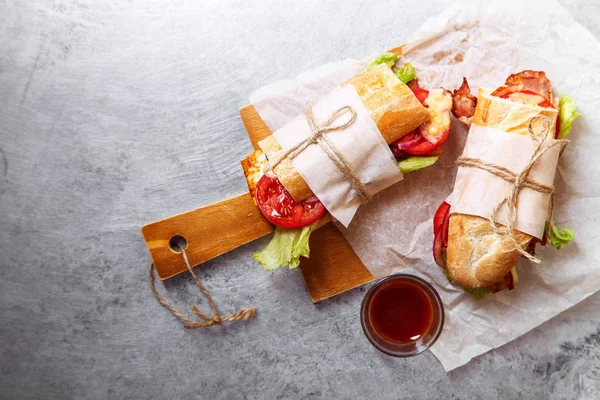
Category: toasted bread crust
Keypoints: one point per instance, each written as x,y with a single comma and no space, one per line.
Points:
391,104
478,257
252,166
508,115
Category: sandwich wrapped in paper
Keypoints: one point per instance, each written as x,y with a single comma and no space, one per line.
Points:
502,202
352,143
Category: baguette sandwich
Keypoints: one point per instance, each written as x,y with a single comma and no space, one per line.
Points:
413,121
472,254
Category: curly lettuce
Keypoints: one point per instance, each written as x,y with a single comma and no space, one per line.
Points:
388,59
566,115
560,237
406,73
286,248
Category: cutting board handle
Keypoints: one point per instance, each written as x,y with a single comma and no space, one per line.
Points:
208,232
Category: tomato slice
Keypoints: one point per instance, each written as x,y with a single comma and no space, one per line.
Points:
444,229
441,221
426,147
420,93
435,152
278,206
507,92
438,251
440,215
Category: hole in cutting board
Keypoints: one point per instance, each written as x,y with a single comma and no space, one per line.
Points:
177,242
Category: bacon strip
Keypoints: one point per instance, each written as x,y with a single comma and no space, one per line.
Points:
536,81
463,102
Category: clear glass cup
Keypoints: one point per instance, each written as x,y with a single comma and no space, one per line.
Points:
411,347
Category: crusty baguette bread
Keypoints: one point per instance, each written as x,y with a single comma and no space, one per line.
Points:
252,166
478,257
391,104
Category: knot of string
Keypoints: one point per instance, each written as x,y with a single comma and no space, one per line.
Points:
519,180
205,320
318,137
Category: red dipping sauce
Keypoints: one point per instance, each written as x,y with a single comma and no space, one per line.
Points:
402,315
401,311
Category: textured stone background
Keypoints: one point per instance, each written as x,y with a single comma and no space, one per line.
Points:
116,114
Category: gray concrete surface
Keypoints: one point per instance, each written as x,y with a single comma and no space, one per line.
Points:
114,114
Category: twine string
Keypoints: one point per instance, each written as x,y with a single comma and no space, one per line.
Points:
318,137
519,181
216,319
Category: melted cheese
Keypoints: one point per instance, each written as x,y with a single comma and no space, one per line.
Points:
439,105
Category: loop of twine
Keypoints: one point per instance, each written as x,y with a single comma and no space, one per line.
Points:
318,137
519,182
216,319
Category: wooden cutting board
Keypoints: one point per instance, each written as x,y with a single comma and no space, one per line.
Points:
333,267
209,231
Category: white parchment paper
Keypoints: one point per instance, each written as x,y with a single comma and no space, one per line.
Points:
477,192
486,41
281,101
361,144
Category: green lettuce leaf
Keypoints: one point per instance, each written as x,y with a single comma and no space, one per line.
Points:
478,293
447,273
560,237
415,163
386,58
285,248
407,73
566,115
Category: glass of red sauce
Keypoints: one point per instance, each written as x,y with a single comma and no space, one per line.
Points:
402,315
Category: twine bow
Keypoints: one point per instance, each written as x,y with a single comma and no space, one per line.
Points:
519,182
318,137
216,319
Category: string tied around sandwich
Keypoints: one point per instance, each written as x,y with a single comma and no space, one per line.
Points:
318,137
519,180
205,320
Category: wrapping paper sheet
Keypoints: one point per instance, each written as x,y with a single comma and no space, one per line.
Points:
477,192
484,41
365,150
281,101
